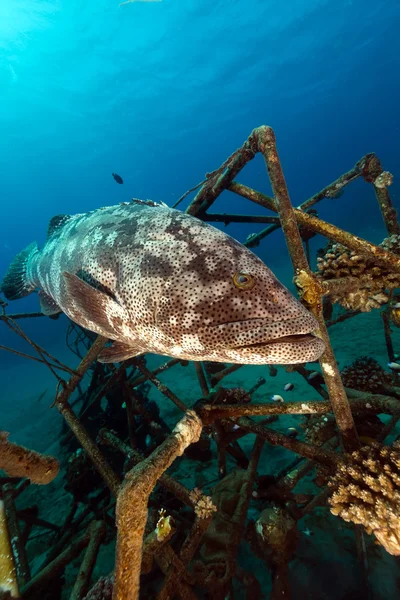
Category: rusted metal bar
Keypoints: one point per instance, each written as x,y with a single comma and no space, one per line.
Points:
132,501
318,500
95,455
19,461
75,424
58,564
177,489
353,242
8,575
202,379
164,367
278,439
337,395
381,179
18,548
388,335
224,373
225,175
226,218
161,386
17,316
97,531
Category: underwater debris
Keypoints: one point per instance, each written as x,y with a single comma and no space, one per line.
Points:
18,461
366,491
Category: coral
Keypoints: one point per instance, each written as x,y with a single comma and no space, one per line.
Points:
216,565
366,374
18,461
385,179
309,287
366,491
318,429
336,261
164,525
203,505
102,590
276,535
232,396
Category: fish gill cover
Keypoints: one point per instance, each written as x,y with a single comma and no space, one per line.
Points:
157,94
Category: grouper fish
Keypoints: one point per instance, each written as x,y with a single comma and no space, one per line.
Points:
154,279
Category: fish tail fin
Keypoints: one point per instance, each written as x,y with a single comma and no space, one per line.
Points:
17,282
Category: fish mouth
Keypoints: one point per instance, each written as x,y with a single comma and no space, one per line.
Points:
262,341
300,338
262,331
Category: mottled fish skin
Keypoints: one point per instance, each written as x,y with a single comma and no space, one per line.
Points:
164,283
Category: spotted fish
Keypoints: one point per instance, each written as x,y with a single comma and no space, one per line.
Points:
154,279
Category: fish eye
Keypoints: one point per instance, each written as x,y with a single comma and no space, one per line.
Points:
243,281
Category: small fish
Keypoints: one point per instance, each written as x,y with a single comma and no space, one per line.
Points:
276,398
315,377
288,387
366,439
292,432
117,178
42,395
154,279
394,366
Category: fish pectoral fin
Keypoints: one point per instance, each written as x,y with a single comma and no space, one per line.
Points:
118,352
47,305
93,309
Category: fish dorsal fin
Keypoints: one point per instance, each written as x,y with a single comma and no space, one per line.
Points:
118,352
56,222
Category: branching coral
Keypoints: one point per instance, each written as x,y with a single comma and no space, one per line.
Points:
18,461
339,262
203,505
366,491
